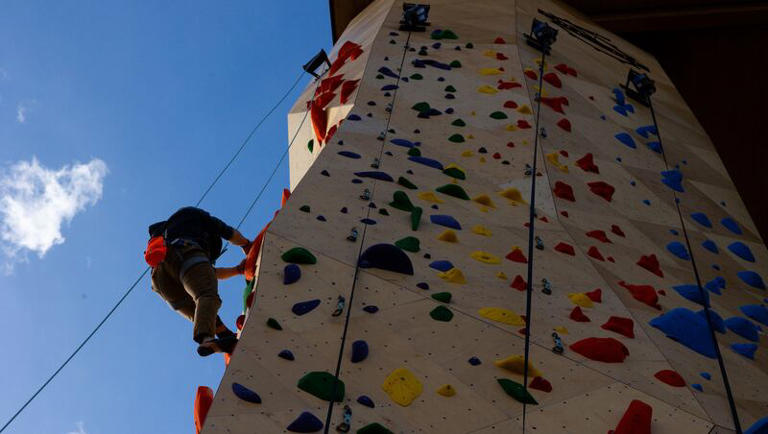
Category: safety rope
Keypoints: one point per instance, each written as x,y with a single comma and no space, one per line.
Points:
360,250
531,232
144,273
720,362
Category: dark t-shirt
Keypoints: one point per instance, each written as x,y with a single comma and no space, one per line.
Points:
194,224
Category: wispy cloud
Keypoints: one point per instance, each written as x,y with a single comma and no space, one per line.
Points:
21,112
80,429
35,201
3,73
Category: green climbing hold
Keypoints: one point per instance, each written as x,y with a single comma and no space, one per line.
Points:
459,123
379,76
416,217
455,64
416,76
450,88
383,211
273,324
246,292
443,34
406,183
454,190
311,145
414,152
322,385
469,45
499,115
401,201
421,106
374,428
455,172
456,138
442,297
517,391
299,255
441,313
410,244
304,208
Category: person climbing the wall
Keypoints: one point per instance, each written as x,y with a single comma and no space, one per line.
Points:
182,252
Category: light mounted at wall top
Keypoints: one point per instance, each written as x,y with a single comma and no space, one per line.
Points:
642,87
315,63
542,36
415,17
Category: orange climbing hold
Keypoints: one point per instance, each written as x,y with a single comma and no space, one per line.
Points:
643,293
517,255
203,401
253,254
587,164
608,350
565,248
564,191
553,79
602,189
594,253
651,263
636,420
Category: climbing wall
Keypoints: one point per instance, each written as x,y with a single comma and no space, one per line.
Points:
411,188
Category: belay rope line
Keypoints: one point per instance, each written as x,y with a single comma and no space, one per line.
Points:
146,270
360,250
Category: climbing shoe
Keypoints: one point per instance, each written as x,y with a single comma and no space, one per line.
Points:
222,345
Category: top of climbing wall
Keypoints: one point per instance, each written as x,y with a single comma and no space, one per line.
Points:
431,189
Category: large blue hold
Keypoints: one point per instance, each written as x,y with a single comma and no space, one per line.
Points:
305,307
717,321
386,257
711,246
757,312
751,278
626,139
427,162
743,327
678,249
702,219
759,427
359,351
441,265
741,250
673,179
245,393
306,422
692,292
291,274
645,130
402,142
381,176
731,225
746,350
715,285
445,220
687,328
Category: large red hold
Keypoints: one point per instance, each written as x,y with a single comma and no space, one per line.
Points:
564,191
203,401
602,189
651,263
599,235
587,163
670,377
643,293
578,316
636,420
608,350
620,325
565,248
564,124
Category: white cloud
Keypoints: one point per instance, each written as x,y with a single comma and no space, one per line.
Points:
21,112
80,429
35,201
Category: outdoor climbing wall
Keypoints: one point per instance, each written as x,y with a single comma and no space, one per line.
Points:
411,199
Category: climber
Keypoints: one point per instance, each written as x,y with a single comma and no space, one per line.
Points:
182,252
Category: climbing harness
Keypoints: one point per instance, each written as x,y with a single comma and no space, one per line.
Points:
347,420
339,306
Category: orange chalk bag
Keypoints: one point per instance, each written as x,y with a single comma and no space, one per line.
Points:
156,250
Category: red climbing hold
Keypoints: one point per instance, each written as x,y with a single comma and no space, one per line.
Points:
636,420
662,292
578,316
643,293
510,104
553,79
564,153
596,295
347,88
329,84
599,235
319,121
564,124
564,191
499,40
565,69
602,189
240,322
651,263
519,283
253,254
510,144
522,123
203,401
564,214
620,325
610,259
608,350
501,56
555,103
542,384
565,248
517,256
594,253
348,51
323,99
587,164
249,299
531,74
670,377
496,155
544,219
508,84
332,131
617,230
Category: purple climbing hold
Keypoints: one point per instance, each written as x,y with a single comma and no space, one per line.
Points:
751,278
366,401
291,274
245,393
702,219
305,307
441,265
746,350
371,309
359,351
711,246
320,218
286,354
306,423
423,285
743,327
349,154
343,210
427,162
386,257
381,176
731,225
626,139
741,250
474,361
757,312
445,220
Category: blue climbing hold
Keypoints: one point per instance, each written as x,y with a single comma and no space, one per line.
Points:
702,219
678,249
359,351
751,278
441,265
654,146
645,130
741,250
357,181
692,293
688,328
349,154
320,218
402,142
647,202
245,393
674,232
619,96
731,225
706,375
353,117
743,327
305,423
371,309
711,246
425,285
717,321
367,221
698,387
291,274
757,312
386,257
715,285
427,162
286,354
746,350
626,139
474,361
381,176
620,109
389,87
366,401
759,427
673,179
388,72
445,220
305,307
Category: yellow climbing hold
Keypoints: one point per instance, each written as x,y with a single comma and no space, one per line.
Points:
490,71
482,159
525,142
544,92
485,257
402,386
514,196
553,159
429,197
470,137
580,299
446,390
490,90
467,153
454,275
511,127
481,230
524,109
562,330
516,364
489,53
538,62
501,315
484,200
449,236
501,275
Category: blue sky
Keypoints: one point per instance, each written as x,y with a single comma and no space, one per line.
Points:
144,101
